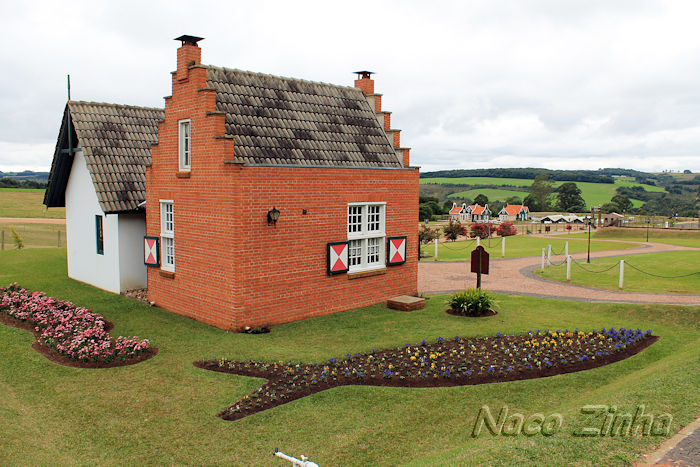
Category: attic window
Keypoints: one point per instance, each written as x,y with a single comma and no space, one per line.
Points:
184,136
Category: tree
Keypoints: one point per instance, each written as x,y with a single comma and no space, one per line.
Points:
623,202
427,235
569,198
514,200
540,194
607,208
506,229
481,200
481,230
453,230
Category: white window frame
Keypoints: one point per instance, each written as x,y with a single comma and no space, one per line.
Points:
167,235
364,235
184,156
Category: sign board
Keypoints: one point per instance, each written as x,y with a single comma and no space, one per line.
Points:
480,254
338,258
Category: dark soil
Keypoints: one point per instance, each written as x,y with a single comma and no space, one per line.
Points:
483,315
277,390
55,357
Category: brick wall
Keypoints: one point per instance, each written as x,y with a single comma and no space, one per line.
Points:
231,268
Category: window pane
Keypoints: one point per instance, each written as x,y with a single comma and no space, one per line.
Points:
373,245
168,251
373,218
354,219
355,252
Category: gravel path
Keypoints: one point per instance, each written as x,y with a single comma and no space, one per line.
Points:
515,276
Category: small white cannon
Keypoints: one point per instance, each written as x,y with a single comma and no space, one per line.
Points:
304,462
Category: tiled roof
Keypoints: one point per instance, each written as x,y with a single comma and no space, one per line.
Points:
116,141
284,121
478,210
514,209
456,209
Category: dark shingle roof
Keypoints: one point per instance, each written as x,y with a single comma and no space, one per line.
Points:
116,141
286,121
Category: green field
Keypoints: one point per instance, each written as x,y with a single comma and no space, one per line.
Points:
27,203
671,265
33,235
593,193
163,411
689,238
516,246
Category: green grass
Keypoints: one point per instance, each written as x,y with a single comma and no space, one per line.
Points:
27,203
670,264
516,246
492,194
34,235
163,411
593,193
679,237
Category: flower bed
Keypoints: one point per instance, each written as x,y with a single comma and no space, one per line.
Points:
69,331
446,362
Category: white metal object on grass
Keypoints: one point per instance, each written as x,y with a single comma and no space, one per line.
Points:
303,462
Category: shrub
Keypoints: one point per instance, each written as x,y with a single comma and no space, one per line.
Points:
506,229
17,238
453,230
427,235
471,302
481,229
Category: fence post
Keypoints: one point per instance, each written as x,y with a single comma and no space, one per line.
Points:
503,247
622,272
566,248
549,253
478,240
436,246
568,267
2,239
542,260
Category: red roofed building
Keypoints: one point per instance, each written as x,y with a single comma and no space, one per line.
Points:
479,213
514,212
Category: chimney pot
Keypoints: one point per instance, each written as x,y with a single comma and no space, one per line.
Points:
189,40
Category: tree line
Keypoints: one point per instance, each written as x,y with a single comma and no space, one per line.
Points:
528,173
12,183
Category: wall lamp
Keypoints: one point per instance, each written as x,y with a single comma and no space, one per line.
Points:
272,216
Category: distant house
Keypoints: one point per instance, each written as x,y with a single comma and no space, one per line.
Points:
479,213
560,219
611,219
459,213
98,174
514,212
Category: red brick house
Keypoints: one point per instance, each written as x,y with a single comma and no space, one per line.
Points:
275,199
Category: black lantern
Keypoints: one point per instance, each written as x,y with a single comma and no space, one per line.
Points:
272,216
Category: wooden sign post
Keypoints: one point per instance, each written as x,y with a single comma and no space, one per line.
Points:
480,263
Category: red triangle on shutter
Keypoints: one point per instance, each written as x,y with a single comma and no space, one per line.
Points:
397,258
338,266
338,249
151,258
397,242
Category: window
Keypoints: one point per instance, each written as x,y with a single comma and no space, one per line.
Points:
167,236
366,235
99,235
184,132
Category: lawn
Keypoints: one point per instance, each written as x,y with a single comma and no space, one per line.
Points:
516,246
33,235
163,411
604,273
593,193
689,238
27,203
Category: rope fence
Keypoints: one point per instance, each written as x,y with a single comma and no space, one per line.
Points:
659,276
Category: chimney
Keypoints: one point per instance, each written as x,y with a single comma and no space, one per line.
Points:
188,54
364,82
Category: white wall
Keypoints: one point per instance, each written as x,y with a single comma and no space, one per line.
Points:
121,266
84,264
132,271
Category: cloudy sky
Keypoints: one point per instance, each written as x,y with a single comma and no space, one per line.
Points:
472,84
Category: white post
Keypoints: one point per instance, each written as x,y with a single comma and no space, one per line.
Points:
436,246
478,241
503,247
549,253
622,272
566,248
568,267
542,260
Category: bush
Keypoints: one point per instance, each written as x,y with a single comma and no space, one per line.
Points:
506,229
471,302
481,229
453,230
427,235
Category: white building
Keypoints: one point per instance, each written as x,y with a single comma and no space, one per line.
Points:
98,174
